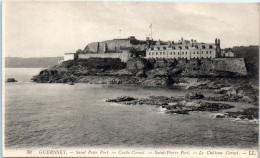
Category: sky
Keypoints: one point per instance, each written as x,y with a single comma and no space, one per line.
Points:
52,28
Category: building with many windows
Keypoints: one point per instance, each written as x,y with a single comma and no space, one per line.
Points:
184,49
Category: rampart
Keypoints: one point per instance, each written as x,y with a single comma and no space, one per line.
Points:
116,45
104,55
236,65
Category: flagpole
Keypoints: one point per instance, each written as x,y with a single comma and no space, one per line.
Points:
151,31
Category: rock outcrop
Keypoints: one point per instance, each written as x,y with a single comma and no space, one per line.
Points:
11,80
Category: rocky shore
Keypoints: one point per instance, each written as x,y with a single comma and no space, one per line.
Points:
250,114
186,104
226,86
178,105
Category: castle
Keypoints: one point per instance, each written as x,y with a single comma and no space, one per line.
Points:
130,47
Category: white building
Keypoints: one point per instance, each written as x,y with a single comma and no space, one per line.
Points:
183,49
69,56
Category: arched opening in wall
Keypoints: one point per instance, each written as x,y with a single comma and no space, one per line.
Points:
210,47
203,47
202,58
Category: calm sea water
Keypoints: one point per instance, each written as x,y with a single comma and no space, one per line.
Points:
61,115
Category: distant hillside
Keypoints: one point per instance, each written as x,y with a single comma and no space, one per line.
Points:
41,62
251,55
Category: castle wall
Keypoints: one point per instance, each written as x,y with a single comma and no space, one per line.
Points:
236,65
104,55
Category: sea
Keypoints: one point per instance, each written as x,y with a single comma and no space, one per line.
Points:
63,115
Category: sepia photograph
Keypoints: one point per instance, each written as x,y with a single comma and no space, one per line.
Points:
130,79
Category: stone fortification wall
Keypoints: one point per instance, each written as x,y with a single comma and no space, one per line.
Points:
104,55
236,65
116,45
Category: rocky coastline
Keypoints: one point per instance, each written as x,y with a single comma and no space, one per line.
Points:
190,103
226,86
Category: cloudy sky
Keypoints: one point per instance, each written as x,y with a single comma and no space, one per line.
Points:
45,29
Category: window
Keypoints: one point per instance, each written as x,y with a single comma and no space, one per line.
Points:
186,53
174,53
193,52
149,53
178,53
206,52
197,52
163,53
202,52
210,46
170,53
156,53
151,48
182,53
160,53
209,52
203,47
153,53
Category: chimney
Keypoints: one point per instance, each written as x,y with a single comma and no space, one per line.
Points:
216,42
191,41
147,38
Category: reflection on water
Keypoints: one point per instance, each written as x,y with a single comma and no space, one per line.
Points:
44,115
